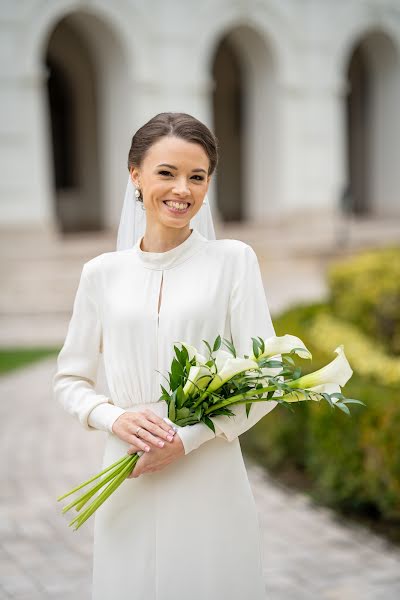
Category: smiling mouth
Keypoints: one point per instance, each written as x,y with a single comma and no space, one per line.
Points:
175,209
177,201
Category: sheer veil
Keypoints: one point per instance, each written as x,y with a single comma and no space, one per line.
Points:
132,223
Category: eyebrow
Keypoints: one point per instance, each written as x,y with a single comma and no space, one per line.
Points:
176,168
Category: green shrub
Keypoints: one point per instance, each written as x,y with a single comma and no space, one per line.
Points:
353,462
366,357
365,290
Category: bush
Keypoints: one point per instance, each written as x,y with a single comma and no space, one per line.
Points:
365,290
366,357
353,462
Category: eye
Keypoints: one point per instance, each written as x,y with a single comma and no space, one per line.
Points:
200,178
164,172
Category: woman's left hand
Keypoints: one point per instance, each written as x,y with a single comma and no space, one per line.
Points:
158,458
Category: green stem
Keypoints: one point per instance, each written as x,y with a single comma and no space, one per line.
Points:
239,397
79,502
81,518
91,479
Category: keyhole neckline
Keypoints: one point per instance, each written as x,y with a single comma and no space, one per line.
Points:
173,257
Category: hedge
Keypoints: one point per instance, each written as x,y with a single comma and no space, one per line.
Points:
365,291
353,462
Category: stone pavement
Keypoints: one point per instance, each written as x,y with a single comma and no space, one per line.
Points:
308,553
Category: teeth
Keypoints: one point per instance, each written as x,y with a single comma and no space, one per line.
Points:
179,205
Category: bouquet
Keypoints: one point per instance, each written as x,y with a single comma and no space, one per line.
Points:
202,387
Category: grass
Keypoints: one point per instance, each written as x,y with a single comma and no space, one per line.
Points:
16,358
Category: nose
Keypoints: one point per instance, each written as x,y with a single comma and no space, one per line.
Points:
181,188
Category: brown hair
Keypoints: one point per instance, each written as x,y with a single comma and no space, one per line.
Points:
175,124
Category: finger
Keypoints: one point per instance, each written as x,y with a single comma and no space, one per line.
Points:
139,443
133,449
151,416
156,430
150,438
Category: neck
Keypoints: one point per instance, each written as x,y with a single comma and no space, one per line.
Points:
156,239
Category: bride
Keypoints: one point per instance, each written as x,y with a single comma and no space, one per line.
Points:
184,524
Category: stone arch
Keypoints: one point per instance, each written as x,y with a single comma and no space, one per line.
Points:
245,108
372,127
107,57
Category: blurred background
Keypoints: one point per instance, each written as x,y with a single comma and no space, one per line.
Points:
304,98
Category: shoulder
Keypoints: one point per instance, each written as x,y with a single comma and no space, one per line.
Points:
233,249
95,267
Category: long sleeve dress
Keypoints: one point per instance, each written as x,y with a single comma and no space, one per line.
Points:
191,529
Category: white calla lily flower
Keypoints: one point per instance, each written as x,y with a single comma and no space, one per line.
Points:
198,377
230,367
220,357
337,371
193,352
284,344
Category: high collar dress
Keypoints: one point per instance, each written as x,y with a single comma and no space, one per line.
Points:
190,530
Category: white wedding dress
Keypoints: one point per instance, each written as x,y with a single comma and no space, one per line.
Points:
190,530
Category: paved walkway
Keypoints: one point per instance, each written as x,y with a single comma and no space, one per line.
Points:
308,553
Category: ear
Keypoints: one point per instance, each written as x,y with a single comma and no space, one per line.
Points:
134,171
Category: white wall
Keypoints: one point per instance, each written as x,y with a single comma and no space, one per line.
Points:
154,57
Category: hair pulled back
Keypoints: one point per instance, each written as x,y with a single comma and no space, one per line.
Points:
177,124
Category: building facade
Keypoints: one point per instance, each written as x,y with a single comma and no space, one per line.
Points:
303,96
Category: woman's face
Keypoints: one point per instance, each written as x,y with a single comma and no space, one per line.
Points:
174,170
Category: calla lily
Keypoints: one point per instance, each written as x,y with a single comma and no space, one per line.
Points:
220,357
338,371
198,375
284,344
231,367
326,388
193,352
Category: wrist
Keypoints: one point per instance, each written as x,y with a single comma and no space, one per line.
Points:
103,416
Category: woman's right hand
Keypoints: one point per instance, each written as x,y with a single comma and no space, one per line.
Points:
154,430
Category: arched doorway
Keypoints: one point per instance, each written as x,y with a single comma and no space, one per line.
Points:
228,103
373,132
89,120
73,120
245,123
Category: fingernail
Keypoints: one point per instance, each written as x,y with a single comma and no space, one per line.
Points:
171,431
170,438
161,443
147,449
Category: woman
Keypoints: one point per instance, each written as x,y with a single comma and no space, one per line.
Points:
184,524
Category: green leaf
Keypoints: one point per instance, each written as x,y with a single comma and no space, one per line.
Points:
182,413
327,398
297,373
353,401
230,346
288,359
217,343
256,347
209,423
178,353
180,397
208,346
164,390
172,407
343,407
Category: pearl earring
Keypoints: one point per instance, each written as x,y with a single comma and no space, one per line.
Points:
137,193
